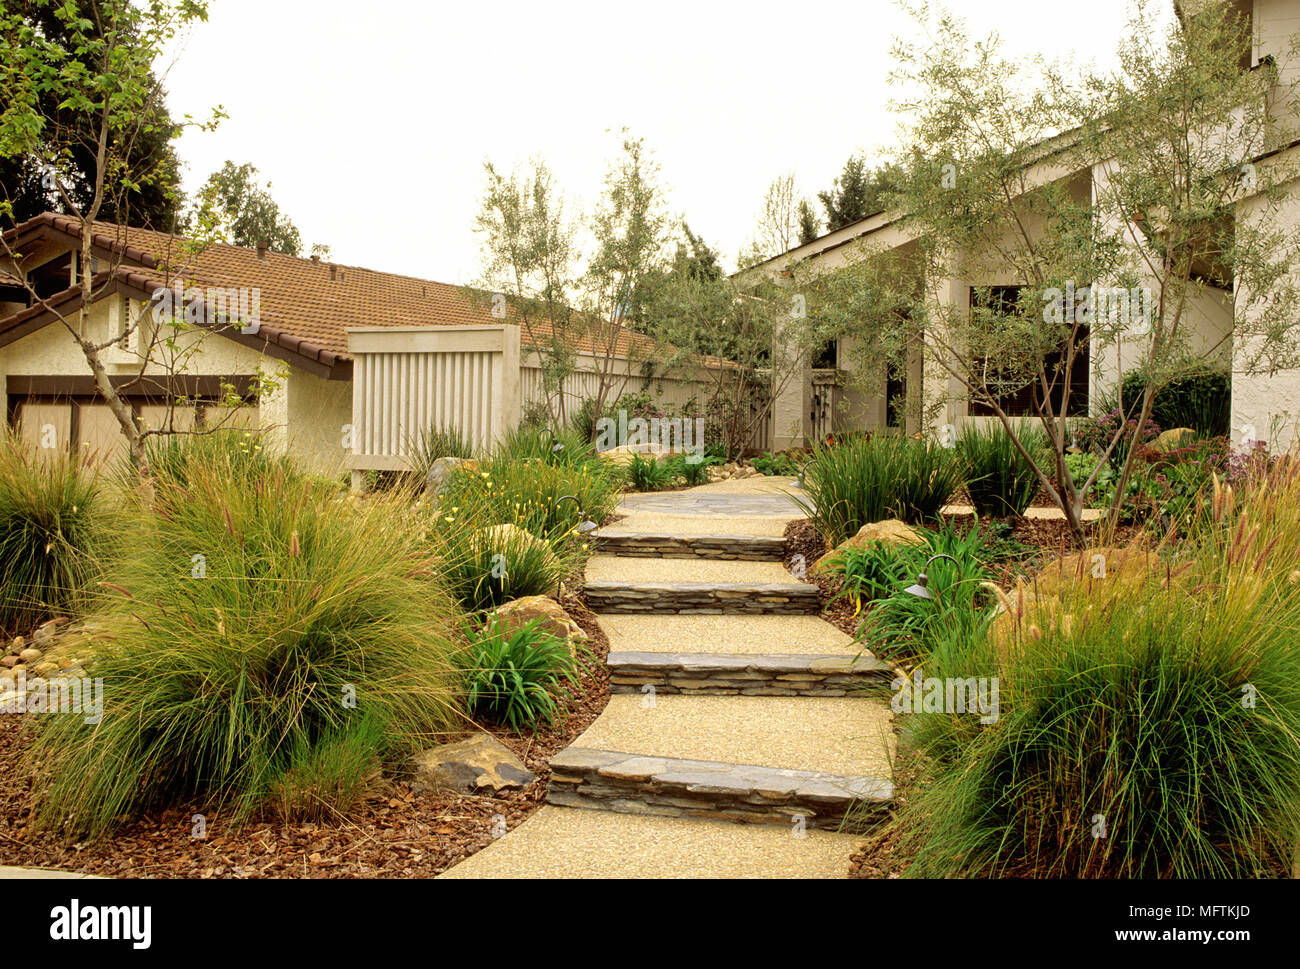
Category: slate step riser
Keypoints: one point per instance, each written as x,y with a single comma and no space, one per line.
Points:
713,548
694,674
703,598
713,796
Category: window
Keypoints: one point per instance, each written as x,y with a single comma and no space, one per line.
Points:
1024,401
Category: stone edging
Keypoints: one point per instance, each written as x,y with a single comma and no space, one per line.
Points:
766,674
668,786
789,598
753,548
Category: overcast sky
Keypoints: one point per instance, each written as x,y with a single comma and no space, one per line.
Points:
372,120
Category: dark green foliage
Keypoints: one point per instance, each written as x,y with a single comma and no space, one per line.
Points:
518,677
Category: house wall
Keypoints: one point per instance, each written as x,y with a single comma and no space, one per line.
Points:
1266,405
302,416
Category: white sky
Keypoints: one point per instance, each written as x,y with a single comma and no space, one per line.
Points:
372,121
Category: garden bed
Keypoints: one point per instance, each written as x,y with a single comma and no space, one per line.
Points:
398,833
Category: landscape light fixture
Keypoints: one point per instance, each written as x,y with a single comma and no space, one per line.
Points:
921,588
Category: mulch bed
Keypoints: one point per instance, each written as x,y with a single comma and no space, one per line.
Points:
397,833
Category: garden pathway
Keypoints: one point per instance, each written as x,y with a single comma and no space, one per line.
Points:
738,738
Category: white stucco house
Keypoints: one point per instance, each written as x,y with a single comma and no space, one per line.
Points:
831,397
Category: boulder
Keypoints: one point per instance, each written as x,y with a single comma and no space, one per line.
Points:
1101,569
553,618
624,453
1173,439
479,765
442,469
30,655
891,532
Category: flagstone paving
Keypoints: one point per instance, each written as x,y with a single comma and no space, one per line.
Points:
565,842
736,745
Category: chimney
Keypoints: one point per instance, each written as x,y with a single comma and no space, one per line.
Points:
333,271
261,249
315,257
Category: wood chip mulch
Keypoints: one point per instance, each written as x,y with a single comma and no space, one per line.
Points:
397,833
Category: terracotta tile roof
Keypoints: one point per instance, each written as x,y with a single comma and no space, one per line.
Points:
306,305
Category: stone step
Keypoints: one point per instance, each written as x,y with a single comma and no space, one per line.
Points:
852,736
618,568
677,787
560,842
703,598
787,635
652,545
752,674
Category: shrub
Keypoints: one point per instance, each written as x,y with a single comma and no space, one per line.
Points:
50,533
433,443
693,473
250,615
780,463
232,451
525,443
518,677
999,479
1166,711
1201,400
529,493
504,531
651,474
871,479
901,625
1094,434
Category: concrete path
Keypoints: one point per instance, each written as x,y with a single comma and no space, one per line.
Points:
740,739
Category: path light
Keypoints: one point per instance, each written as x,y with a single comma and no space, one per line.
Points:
585,526
921,590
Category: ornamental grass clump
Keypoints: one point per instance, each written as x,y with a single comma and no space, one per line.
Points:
1147,729
1000,480
249,620
51,530
871,479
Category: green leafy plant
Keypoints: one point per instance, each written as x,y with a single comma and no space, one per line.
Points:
1200,399
866,480
247,613
651,474
999,479
780,463
50,533
565,447
898,624
519,677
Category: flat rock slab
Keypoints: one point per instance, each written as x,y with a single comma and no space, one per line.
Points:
648,544
559,842
721,634
836,735
479,765
619,568
753,674
704,598
716,790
